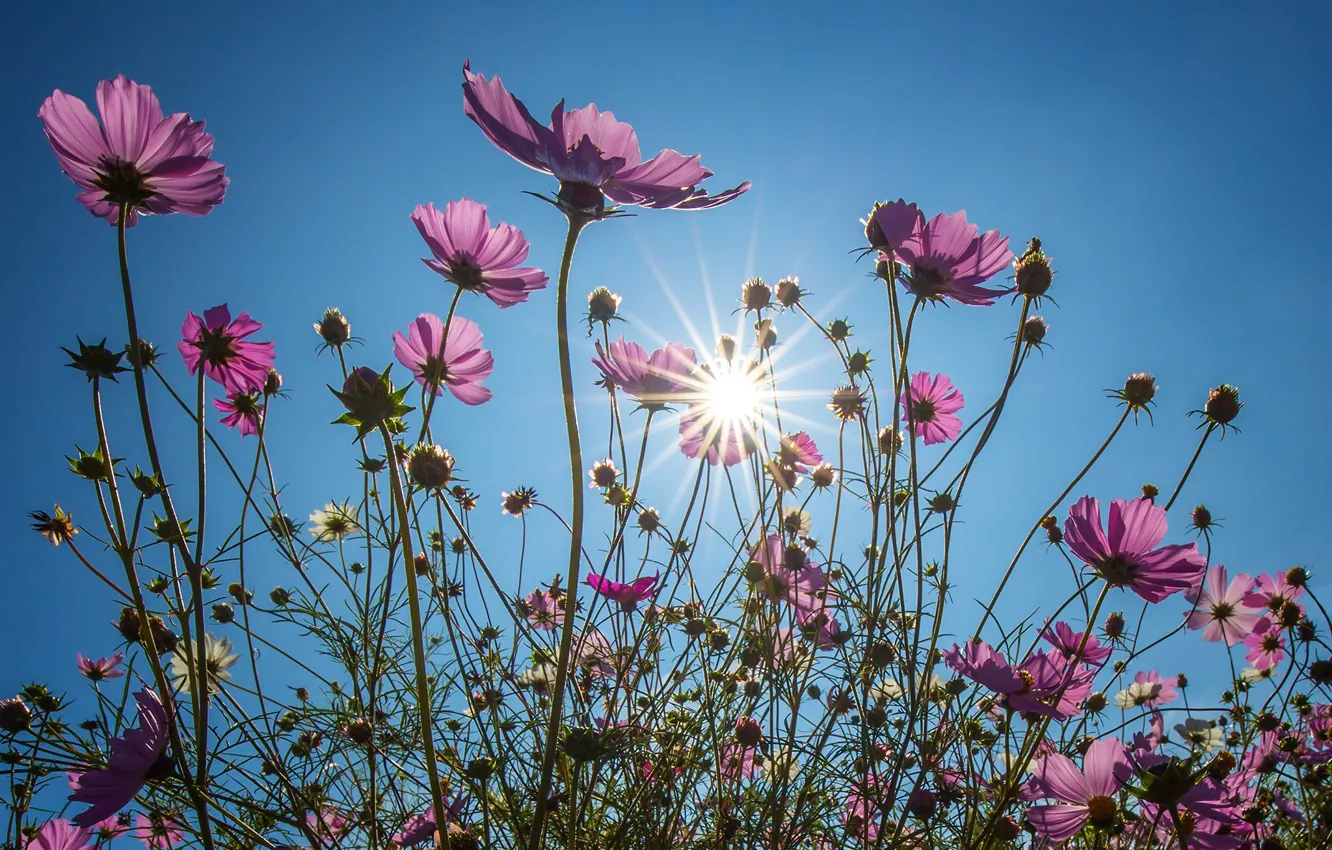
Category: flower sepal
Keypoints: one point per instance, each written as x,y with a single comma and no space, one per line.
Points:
370,400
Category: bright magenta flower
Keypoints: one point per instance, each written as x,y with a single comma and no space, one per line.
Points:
136,756
1089,794
60,834
1220,609
1066,642
893,224
628,595
930,405
799,452
218,344
1274,593
474,256
949,258
653,380
244,411
96,670
1042,684
1266,643
589,152
159,832
459,362
1129,556
155,164
418,828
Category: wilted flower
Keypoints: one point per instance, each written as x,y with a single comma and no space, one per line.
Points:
218,344
334,522
603,474
522,499
95,670
474,256
57,528
460,363
151,164
847,404
218,659
589,152
136,756
930,406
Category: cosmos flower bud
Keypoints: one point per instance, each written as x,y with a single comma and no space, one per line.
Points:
1223,405
726,347
1114,625
359,731
1033,271
1150,491
874,235
789,292
822,476
333,328
858,363
279,596
649,520
875,717
96,361
224,613
1052,532
1034,330
755,295
1202,518
765,335
1297,577
1007,829
748,732
942,503
603,474
238,592
272,383
370,399
839,330
847,403
602,305
430,466
1095,703
922,803
15,716
1182,680
1139,390
421,564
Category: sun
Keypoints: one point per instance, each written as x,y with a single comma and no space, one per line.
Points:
732,394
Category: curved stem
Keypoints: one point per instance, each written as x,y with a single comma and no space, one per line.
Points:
576,225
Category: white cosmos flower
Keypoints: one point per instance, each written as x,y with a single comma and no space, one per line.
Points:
538,677
796,521
1138,694
780,764
334,522
218,657
887,690
1200,734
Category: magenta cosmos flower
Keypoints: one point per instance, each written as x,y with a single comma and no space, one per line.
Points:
892,224
799,452
97,669
628,595
718,439
242,411
949,258
653,380
790,576
1266,643
1043,684
136,757
1219,606
1088,794
474,256
60,834
930,405
592,155
420,827
153,164
1129,556
219,344
158,832
1067,642
459,362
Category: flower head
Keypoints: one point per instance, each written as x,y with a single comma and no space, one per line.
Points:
930,405
472,255
1220,609
334,522
1067,642
459,362
243,411
334,329
628,595
543,610
1044,684
57,528
1266,643
949,258
1200,734
594,156
95,670
654,380
1129,556
891,224
218,659
1148,690
799,452
158,831
420,827
60,834
138,158
218,344
136,756
1089,794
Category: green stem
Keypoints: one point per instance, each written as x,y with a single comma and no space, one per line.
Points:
576,225
1189,470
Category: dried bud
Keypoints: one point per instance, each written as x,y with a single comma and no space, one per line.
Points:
334,328
272,383
279,596
224,613
602,305
1297,577
890,441
1114,625
1202,518
518,501
603,474
847,403
942,503
755,295
726,347
649,520
1223,405
1139,390
765,335
422,565
1150,491
1034,330
822,476
789,292
15,716
1095,703
359,731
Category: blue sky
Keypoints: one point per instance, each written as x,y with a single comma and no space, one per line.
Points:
1172,160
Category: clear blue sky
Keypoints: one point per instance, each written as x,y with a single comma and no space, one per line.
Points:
1173,157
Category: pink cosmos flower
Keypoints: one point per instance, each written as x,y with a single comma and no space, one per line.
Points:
1205,818
136,756
897,222
218,344
158,832
1274,593
1066,642
1219,606
544,611
930,406
655,380
243,411
628,595
790,576
799,452
949,258
865,809
96,670
1089,793
719,440
1266,643
1145,744
420,827
589,152
737,761
474,256
60,834
1129,557
459,362
593,653
154,164
1042,684
328,824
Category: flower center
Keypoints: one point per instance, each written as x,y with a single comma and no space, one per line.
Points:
928,281
1116,570
215,346
923,410
435,372
123,183
466,276
1271,643
1222,610
1101,810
